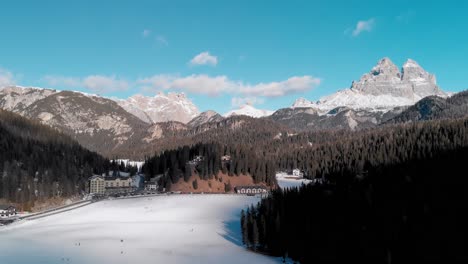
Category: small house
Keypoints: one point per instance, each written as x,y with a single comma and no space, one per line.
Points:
297,173
152,184
7,211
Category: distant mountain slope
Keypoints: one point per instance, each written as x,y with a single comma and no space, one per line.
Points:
310,119
16,99
160,108
205,117
98,123
101,124
434,107
238,129
38,162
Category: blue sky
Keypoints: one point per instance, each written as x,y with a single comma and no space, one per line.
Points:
265,52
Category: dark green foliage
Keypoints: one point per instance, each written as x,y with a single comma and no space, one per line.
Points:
227,187
205,160
396,195
37,162
433,108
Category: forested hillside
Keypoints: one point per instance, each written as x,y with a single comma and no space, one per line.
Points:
206,160
37,162
320,153
394,195
433,107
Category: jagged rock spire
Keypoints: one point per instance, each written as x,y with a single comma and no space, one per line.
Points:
386,79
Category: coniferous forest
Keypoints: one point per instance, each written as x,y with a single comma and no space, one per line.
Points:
38,162
392,196
205,160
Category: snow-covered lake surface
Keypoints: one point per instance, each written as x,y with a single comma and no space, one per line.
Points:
161,229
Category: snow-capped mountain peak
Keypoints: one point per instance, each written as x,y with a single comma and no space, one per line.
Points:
410,63
303,103
381,89
249,110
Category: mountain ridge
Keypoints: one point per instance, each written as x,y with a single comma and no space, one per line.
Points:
383,88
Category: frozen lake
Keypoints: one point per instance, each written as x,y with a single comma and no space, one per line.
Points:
162,229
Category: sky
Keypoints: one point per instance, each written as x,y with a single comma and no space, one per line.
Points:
223,54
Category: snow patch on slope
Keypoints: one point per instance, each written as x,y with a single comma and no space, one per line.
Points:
249,110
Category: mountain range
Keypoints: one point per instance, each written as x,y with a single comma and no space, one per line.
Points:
111,126
382,89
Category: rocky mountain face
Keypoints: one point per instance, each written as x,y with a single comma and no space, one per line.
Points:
97,123
380,95
101,124
141,125
310,119
161,108
17,99
382,89
205,117
249,110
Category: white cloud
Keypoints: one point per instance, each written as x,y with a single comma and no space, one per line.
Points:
105,84
364,25
6,78
204,58
55,80
95,83
201,84
294,84
195,84
240,101
204,84
146,33
162,40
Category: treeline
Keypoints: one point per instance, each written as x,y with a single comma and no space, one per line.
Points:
320,153
37,162
434,108
396,195
206,160
383,146
116,167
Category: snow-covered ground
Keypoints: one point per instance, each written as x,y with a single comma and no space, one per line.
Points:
162,229
288,181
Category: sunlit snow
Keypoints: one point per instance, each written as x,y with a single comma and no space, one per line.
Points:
160,229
